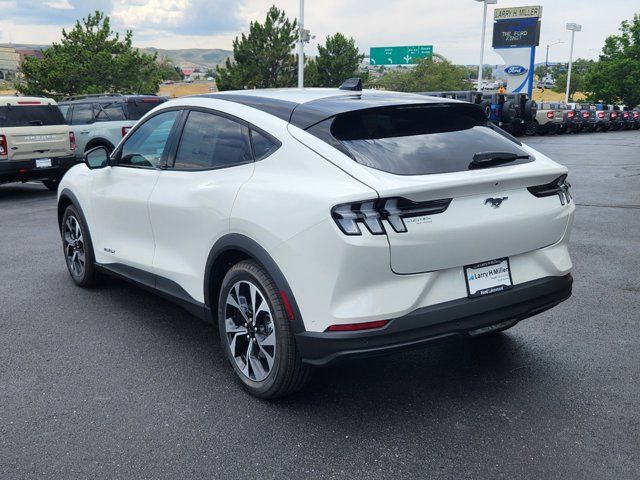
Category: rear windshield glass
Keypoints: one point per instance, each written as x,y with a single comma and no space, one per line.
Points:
139,107
420,140
30,115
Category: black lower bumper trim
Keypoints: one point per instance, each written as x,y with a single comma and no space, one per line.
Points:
23,170
458,317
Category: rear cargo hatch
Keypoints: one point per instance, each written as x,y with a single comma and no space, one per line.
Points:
34,131
423,155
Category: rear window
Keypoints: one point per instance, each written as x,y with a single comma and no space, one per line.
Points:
139,107
418,139
30,115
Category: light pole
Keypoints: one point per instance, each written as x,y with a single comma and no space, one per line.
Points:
484,29
574,27
301,46
546,60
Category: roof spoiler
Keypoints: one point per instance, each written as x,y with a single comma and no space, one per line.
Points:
353,83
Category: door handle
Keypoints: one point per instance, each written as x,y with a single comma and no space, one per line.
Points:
84,131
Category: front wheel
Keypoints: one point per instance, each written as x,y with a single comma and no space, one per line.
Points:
78,249
256,334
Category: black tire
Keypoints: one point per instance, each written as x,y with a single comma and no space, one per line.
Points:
552,128
88,276
287,374
530,110
531,128
51,184
508,112
486,108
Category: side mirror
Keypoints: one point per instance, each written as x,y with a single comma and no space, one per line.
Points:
97,158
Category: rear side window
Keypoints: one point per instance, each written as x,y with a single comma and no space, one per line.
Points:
262,145
212,141
82,113
418,139
108,112
138,108
30,115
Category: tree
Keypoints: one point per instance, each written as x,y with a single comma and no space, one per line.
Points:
614,77
337,60
263,58
90,59
430,74
168,71
579,72
210,73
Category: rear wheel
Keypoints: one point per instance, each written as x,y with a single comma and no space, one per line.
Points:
51,184
531,128
78,249
256,334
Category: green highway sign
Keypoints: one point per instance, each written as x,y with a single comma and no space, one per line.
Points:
398,55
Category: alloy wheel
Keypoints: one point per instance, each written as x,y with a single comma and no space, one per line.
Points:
250,331
74,246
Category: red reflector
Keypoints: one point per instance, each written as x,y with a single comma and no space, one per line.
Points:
600,114
570,114
287,306
24,102
585,114
23,170
125,130
72,141
614,115
3,145
351,327
636,115
549,115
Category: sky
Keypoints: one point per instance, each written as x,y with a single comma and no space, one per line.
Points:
453,26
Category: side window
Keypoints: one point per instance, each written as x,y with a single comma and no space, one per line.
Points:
262,145
64,109
145,146
108,112
82,113
211,141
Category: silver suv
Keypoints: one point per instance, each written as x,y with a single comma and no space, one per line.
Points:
102,120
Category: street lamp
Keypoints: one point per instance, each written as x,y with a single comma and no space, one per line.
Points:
573,27
546,61
484,28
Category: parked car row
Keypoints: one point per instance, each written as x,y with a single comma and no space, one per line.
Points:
41,139
519,115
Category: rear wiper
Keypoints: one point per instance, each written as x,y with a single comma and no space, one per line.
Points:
491,159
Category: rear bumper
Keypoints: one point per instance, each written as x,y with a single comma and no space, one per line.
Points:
462,317
23,170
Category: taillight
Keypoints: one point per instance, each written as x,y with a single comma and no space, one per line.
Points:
559,187
614,115
600,114
353,327
585,114
125,130
3,145
550,115
72,141
625,114
636,115
371,214
571,113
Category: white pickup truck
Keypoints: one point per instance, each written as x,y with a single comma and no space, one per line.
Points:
102,120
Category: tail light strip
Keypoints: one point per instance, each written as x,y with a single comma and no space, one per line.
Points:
559,187
371,213
3,145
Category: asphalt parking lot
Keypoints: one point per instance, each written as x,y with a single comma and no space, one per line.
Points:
117,383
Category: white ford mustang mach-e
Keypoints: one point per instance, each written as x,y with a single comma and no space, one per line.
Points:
320,224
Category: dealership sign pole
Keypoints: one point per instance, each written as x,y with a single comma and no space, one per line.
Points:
484,28
516,34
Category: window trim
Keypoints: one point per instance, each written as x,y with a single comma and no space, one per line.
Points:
115,156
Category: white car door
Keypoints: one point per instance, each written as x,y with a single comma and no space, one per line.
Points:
120,195
191,204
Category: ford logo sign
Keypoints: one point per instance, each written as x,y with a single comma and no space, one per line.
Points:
515,70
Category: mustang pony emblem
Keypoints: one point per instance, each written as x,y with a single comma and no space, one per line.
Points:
495,202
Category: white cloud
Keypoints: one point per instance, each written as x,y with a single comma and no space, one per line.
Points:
59,4
151,13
